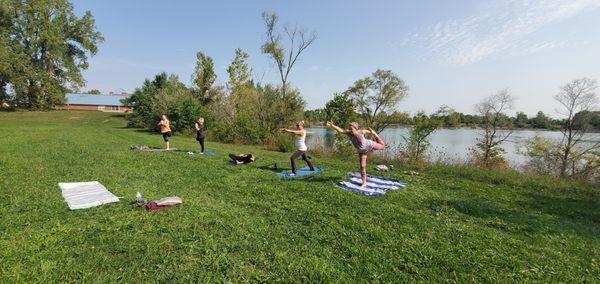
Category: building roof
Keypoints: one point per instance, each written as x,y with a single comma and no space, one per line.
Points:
96,100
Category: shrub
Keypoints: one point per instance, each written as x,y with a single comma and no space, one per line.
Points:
282,142
545,157
417,143
247,130
482,156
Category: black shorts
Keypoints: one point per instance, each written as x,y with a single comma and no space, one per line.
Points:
166,136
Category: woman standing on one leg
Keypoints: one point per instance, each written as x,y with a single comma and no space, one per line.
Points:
200,133
165,129
363,145
300,136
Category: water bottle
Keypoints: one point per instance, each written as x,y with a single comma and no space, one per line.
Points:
391,168
138,197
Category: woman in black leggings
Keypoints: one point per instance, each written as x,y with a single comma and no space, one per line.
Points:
300,142
200,133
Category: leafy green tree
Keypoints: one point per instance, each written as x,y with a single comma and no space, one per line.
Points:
541,121
449,116
544,155
340,109
94,92
400,118
595,120
239,71
143,101
166,94
47,46
204,77
379,93
315,116
418,141
585,120
243,100
243,94
472,120
521,120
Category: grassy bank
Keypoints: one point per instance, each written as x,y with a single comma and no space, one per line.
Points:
245,223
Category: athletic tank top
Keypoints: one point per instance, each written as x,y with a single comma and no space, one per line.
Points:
301,142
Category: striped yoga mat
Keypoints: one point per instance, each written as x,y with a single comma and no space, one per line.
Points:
81,195
376,185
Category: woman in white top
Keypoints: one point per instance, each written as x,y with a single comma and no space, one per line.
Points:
300,136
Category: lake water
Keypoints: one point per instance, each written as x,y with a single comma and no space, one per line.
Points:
451,145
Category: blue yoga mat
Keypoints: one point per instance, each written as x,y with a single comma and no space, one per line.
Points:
300,172
197,153
376,185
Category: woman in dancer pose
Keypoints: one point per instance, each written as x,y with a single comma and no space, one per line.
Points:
363,145
300,136
200,133
165,129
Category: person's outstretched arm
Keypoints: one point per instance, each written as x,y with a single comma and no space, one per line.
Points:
197,127
338,129
296,132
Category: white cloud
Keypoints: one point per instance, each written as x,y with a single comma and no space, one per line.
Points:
498,29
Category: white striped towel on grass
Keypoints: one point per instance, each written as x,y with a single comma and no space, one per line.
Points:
81,195
376,185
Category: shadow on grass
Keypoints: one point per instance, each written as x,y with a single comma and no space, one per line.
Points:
566,208
324,179
539,214
272,168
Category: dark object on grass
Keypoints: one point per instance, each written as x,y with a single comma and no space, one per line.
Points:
139,147
243,158
137,203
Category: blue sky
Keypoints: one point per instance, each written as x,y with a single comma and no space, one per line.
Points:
448,52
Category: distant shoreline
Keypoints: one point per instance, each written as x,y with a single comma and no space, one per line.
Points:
467,127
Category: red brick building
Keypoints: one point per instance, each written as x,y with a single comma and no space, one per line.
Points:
102,102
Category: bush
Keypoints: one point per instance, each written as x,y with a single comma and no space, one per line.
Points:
282,142
166,95
545,158
493,159
343,146
416,144
247,130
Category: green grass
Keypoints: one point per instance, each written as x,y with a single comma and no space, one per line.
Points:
244,223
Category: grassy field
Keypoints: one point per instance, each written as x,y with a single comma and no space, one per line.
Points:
451,224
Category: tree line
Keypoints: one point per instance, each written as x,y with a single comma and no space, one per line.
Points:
449,118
